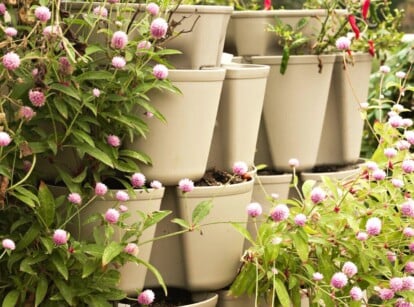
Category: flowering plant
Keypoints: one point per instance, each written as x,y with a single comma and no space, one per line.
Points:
343,243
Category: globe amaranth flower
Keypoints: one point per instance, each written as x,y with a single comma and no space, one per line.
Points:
160,71
100,189
385,293
8,244
3,8
153,8
254,209
300,219
37,98
343,43
317,276
100,11
395,121
122,196
409,267
400,74
10,31
373,226
408,283
146,297
138,180
143,45
390,152
132,249
42,13
186,185
407,208
379,174
123,208
113,140
5,139
402,145
280,213
60,237
51,31
293,162
398,183
240,168
349,269
158,28
119,40
11,60
362,236
409,135
339,280
371,165
118,62
96,92
356,293
408,232
408,166
385,69
396,284
155,184
391,256
403,303
317,195
411,247
111,215
75,198
407,122
65,68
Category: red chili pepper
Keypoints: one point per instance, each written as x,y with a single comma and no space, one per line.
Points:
365,9
267,4
371,47
352,22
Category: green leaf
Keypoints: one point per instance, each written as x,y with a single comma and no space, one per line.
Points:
26,196
60,265
155,272
155,217
28,237
48,244
281,292
301,244
89,267
67,90
11,299
96,153
110,252
285,60
83,136
47,204
41,290
65,290
181,222
201,211
136,155
95,75
243,231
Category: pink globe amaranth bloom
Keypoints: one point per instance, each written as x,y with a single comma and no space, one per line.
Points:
60,237
407,122
409,135
3,9
395,121
153,8
391,256
385,69
293,162
132,249
390,152
371,165
362,236
240,168
158,28
8,244
122,196
100,189
10,31
100,11
409,267
42,13
155,184
349,269
364,105
317,195
398,183
138,180
26,113
280,213
407,208
119,40
385,294
343,43
356,294
186,185
408,283
373,226
96,92
146,297
300,219
403,303
398,109
75,198
317,276
379,174
396,284
123,208
11,60
65,67
339,280
113,140
5,139
143,45
408,166
411,247
254,209
37,98
118,62
160,71
400,74
111,215
408,232
51,31
402,145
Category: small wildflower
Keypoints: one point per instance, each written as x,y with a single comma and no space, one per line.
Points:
100,11
160,71
385,294
371,165
362,236
408,283
186,185
407,208
398,183
37,98
385,69
10,31
349,269
390,152
280,213
403,303
317,276
407,122
8,244
112,216
339,280
146,297
403,145
395,121
155,184
75,198
373,226
60,237
3,9
65,67
96,92
391,256
123,208
11,60
317,195
396,284
113,140
400,74
409,135
379,174
118,62
132,249
254,209
43,13
51,31
293,162
158,28
5,139
408,232
343,43
119,40
143,45
100,189
240,168
153,8
122,196
408,166
356,294
409,267
138,180
300,219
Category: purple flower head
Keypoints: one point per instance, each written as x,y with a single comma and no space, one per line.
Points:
403,145
349,269
390,152
143,45
100,189
155,184
153,8
398,183
408,283
403,303
146,297
356,294
408,232
65,67
408,166
158,28
385,69
385,294
379,174
362,236
391,256
42,13
317,195
339,280
96,92
3,9
113,140
132,249
5,139
60,237
373,226
396,284
75,198
300,219
293,162
11,60
100,11
186,185
8,244
119,40
400,74
118,62
407,122
343,43
254,209
123,208
122,196
37,98
395,121
409,135
407,208
112,216
371,165
317,276
409,267
411,247
240,168
280,213
52,31
138,180
160,71
10,31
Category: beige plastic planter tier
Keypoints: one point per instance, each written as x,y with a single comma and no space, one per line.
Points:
238,117
348,173
179,148
344,125
294,108
202,43
212,258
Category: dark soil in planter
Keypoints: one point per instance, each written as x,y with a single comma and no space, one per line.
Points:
333,168
269,172
215,177
176,297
